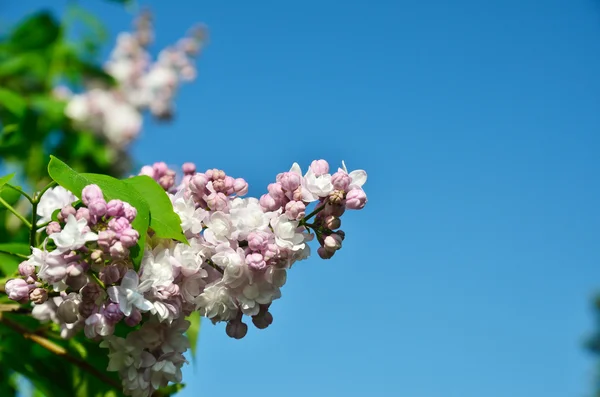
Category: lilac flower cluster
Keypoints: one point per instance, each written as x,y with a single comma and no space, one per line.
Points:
115,113
233,267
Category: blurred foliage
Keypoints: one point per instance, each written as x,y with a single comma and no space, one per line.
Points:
36,56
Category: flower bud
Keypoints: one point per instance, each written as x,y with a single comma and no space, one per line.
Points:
91,193
240,186
217,201
134,318
333,242
26,269
110,275
332,222
91,292
97,257
319,167
76,282
341,181
119,225
236,329
356,199
295,210
269,203
188,168
129,212
262,320
83,213
255,261
38,296
290,181
65,212
106,238
53,227
198,185
112,313
68,311
17,289
336,197
114,208
97,207
325,253
86,309
117,250
129,238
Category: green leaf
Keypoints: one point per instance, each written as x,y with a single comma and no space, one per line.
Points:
168,391
163,220
12,102
9,262
192,333
4,180
36,32
112,189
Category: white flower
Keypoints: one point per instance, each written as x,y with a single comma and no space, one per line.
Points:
156,267
233,261
318,186
216,303
54,199
52,267
286,234
74,235
189,258
129,294
247,216
219,228
359,177
254,295
191,217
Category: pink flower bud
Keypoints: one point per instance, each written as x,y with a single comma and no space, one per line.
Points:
257,241
110,275
168,180
198,185
129,212
290,181
114,208
65,212
256,261
335,210
160,168
129,237
76,282
147,170
53,227
84,213
106,238
269,203
341,180
86,309
324,253
91,193
91,292
97,208
26,269
336,197
17,289
295,210
188,168
333,242
68,311
276,191
236,329
134,318
112,313
240,186
119,225
117,250
229,182
38,296
319,167
217,201
332,222
356,199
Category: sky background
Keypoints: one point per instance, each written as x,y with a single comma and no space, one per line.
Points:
471,271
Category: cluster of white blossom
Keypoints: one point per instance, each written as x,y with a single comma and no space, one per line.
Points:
142,84
233,266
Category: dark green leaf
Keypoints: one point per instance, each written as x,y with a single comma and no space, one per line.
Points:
163,220
8,262
38,31
112,189
4,180
12,102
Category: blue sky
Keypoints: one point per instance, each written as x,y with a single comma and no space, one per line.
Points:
471,271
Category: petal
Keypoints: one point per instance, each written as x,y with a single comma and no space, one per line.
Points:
144,305
344,167
113,294
130,280
359,177
296,169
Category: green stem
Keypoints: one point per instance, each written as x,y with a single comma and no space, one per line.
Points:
15,212
97,280
14,254
32,232
18,189
315,212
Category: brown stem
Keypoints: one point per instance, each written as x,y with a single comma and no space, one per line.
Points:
59,351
